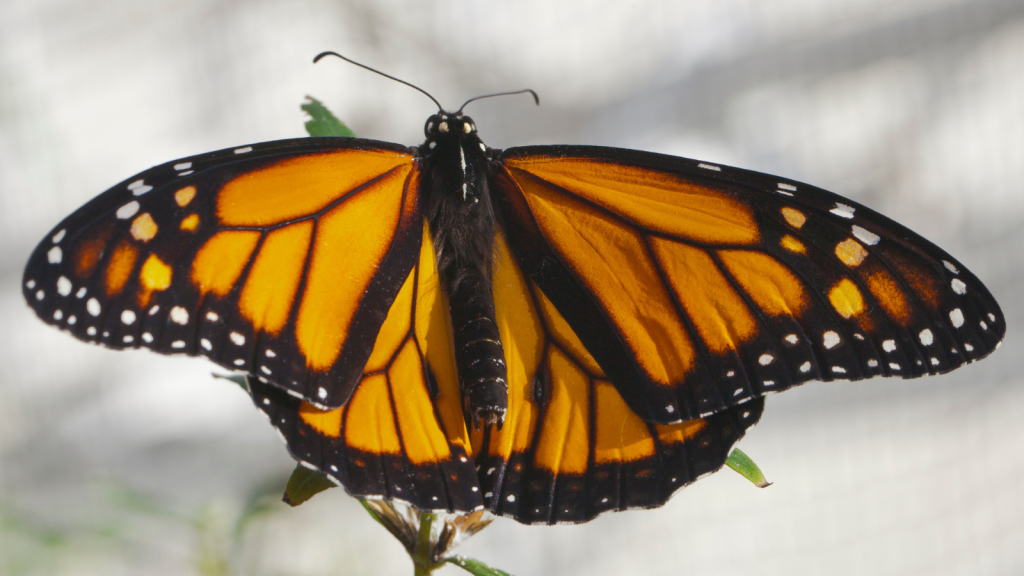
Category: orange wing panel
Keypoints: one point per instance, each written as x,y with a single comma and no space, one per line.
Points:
300,186
655,200
334,290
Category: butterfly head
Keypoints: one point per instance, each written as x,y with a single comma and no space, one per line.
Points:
446,129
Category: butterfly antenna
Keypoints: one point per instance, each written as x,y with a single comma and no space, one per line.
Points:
536,99
329,53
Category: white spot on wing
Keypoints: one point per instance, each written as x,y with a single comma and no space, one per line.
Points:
805,367
178,344
183,166
91,330
839,370
926,337
872,363
128,210
142,190
57,314
511,498
128,339
894,366
935,361
270,353
792,338
93,306
709,167
81,292
889,345
72,319
239,362
865,236
237,338
59,236
765,359
179,315
949,266
968,347
63,286
830,339
30,284
206,344
212,316
128,317
154,309
265,370
785,186
55,255
958,286
670,408
243,150
842,210
40,294
321,392
147,337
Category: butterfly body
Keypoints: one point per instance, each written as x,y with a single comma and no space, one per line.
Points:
548,332
461,218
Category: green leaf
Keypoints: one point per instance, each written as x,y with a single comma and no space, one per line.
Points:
304,484
742,463
237,379
475,567
322,122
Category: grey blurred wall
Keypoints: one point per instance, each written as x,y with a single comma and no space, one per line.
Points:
132,463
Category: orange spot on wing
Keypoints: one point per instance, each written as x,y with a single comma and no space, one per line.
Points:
564,443
612,260
793,245
89,251
794,217
220,261
621,435
422,437
153,277
772,286
143,227
185,195
370,425
190,222
122,262
851,253
887,292
681,432
269,291
655,200
721,317
350,242
326,422
301,186
846,298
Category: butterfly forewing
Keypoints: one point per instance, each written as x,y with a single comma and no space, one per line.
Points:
697,287
280,259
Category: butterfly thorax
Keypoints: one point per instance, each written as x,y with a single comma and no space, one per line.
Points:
458,207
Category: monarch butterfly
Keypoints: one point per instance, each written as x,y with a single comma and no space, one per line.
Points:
547,332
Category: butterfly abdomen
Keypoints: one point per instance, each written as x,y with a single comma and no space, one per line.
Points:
458,208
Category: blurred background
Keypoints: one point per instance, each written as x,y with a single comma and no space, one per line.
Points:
133,463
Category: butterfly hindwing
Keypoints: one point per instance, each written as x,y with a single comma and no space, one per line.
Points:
570,447
697,287
402,435
280,259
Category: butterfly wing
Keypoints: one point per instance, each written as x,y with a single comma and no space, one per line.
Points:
698,287
280,259
570,448
402,436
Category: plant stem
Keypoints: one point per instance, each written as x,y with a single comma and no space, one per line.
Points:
422,562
